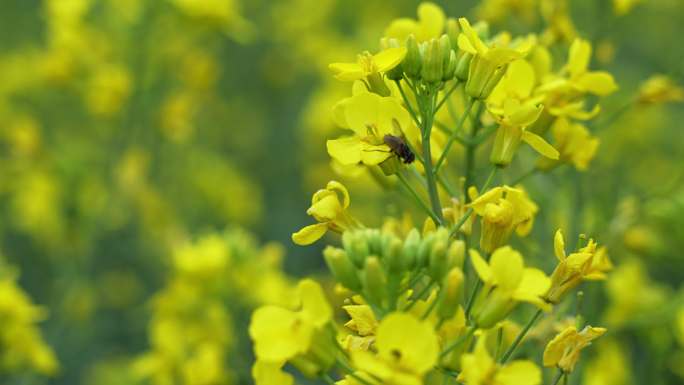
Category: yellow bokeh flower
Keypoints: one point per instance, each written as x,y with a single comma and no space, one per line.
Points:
479,368
281,334
430,24
574,268
564,350
660,89
407,348
369,65
574,143
506,283
502,210
329,211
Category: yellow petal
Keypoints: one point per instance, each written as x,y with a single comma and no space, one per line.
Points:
347,71
579,55
464,44
373,155
339,187
408,341
526,114
598,82
540,145
389,58
431,19
277,334
532,287
555,349
362,319
470,33
327,208
481,267
270,373
559,245
507,268
309,234
346,150
491,196
519,373
362,113
315,307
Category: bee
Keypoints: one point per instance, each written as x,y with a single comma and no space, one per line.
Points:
398,147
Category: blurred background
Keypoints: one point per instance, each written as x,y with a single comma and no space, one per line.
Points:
155,157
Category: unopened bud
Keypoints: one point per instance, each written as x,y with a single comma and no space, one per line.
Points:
438,263
432,63
506,143
396,73
451,298
450,69
410,250
393,256
413,61
424,250
374,280
456,253
356,247
342,268
453,30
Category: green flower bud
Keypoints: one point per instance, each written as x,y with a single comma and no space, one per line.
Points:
456,253
410,250
396,73
393,256
453,285
356,247
342,268
377,84
413,61
438,262
490,308
374,280
463,60
506,143
450,69
453,30
483,76
374,239
432,63
423,254
445,50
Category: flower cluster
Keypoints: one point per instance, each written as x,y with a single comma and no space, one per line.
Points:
417,306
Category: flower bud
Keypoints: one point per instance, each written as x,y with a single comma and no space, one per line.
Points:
453,30
483,76
424,250
413,61
410,250
432,62
374,280
490,308
456,253
393,256
356,247
377,84
506,143
463,60
450,69
438,262
396,73
445,50
342,268
451,298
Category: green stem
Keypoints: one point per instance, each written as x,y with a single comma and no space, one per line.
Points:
470,155
520,336
560,375
446,95
428,114
464,217
416,197
408,104
459,341
454,134
524,176
471,299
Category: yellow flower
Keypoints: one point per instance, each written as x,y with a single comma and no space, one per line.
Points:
280,334
502,210
370,117
574,268
407,348
430,24
506,282
564,350
269,373
489,62
362,320
329,212
369,65
479,368
660,89
575,144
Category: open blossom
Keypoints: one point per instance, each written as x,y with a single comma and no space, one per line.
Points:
506,283
502,210
430,24
370,117
564,350
479,368
329,211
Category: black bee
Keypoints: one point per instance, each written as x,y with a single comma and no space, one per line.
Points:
399,148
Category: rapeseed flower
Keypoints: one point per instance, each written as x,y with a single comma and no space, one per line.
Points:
479,368
564,350
574,143
430,24
506,283
329,211
502,210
